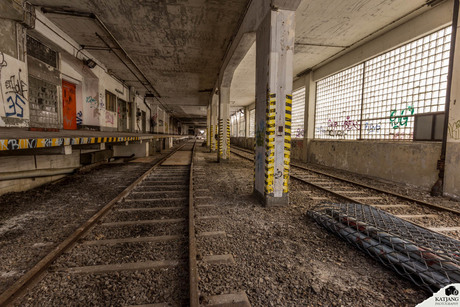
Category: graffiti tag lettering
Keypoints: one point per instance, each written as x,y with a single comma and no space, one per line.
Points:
372,128
79,118
399,121
454,130
12,89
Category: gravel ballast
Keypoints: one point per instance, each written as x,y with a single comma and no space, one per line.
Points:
283,258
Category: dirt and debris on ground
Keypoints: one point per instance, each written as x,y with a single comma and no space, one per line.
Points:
283,258
34,222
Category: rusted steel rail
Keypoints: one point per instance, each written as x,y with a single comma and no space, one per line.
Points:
354,200
33,275
193,269
418,201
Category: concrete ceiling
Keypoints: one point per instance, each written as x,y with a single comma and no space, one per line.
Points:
323,29
180,45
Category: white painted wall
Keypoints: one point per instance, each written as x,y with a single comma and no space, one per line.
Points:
91,84
14,94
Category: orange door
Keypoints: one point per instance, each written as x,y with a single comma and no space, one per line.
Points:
69,108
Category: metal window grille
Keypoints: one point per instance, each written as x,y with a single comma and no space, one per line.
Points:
41,52
234,126
252,122
241,124
298,113
110,101
397,85
338,104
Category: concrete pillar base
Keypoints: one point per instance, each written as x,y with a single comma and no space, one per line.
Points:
271,201
139,150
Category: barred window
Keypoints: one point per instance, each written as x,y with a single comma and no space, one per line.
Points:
110,101
298,113
252,122
233,126
241,123
395,86
338,104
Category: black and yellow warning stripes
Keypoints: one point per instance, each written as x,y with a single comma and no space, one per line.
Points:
228,138
270,144
211,135
216,131
255,163
287,143
221,138
208,137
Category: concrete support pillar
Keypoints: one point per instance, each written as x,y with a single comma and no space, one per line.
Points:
139,150
223,154
214,118
208,127
451,186
309,119
275,46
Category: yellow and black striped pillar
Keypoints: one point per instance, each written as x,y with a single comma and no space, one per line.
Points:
228,138
221,138
216,132
287,143
270,144
211,136
275,43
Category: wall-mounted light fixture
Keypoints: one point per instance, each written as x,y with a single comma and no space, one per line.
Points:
90,63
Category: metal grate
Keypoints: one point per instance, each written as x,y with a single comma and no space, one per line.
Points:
252,122
241,123
41,52
409,80
395,86
429,259
298,113
234,126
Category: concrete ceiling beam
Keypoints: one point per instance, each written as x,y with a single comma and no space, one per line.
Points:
289,5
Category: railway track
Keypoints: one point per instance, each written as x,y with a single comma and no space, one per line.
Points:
143,239
434,217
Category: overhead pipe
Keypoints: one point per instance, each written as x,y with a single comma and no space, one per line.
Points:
93,16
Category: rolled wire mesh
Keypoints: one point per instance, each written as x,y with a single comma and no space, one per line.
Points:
427,258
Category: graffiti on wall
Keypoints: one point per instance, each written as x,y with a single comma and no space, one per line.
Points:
401,135
372,128
109,118
153,120
299,133
260,134
79,118
399,120
13,89
93,103
454,130
16,144
339,128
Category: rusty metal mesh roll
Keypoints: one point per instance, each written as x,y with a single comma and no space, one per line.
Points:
427,258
